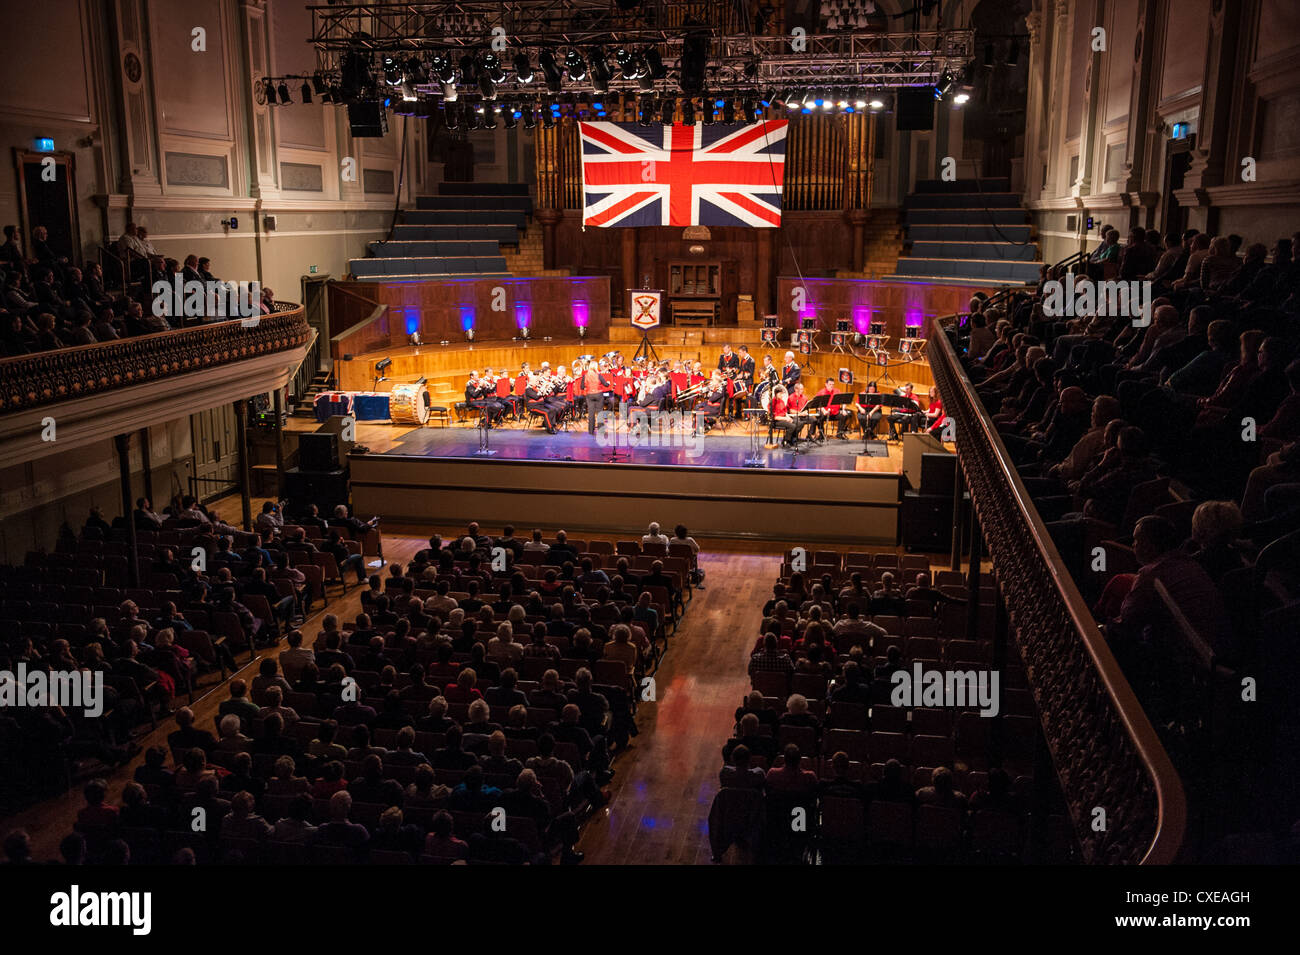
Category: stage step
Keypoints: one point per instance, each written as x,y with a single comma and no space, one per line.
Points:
963,200
954,232
472,248
482,189
969,215
1005,251
507,234
994,184
432,266
961,269
479,216
521,203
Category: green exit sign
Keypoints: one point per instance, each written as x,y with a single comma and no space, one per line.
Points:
311,270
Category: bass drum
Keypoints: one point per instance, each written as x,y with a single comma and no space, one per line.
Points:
409,404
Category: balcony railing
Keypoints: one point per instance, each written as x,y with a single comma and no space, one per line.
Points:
46,378
1104,748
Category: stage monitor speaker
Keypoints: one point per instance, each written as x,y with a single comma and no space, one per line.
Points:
318,452
915,108
325,489
368,119
938,473
336,424
915,445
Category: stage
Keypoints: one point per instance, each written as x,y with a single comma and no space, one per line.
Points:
719,448
828,492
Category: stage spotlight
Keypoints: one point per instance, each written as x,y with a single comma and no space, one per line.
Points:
688,112
550,71
961,97
707,108
600,75
575,66
747,109
859,99
469,333
269,91
510,116
751,69
442,68
667,110
810,99
523,68
382,365
486,86
318,82
451,115
655,68
392,71
647,111
283,89
627,63
729,112
306,92
491,65
473,119
490,116
449,93
876,103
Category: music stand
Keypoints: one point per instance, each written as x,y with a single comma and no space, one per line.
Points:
755,459
483,432
816,403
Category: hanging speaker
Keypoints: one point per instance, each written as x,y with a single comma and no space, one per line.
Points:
915,108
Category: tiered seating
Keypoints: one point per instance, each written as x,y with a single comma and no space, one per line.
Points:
889,820
967,232
457,232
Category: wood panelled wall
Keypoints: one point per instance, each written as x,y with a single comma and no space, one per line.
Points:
438,310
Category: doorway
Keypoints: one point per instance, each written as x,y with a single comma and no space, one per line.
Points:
1178,158
47,188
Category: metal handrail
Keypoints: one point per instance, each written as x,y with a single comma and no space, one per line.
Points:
1104,748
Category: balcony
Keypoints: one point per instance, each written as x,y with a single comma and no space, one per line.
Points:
91,392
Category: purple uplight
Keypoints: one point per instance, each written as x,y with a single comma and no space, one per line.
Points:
523,314
862,319
580,312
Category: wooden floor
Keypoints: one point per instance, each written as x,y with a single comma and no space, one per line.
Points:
664,783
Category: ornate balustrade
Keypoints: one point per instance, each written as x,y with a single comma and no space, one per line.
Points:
46,378
1105,750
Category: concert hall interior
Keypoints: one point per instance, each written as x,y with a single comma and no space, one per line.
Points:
650,432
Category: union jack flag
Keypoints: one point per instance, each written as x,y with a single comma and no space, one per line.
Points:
682,175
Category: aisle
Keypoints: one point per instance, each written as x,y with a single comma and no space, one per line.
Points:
665,783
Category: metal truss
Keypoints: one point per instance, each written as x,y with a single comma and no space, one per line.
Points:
738,60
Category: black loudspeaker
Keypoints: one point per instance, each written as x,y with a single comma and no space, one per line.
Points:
325,489
334,424
915,108
927,521
938,473
318,451
369,119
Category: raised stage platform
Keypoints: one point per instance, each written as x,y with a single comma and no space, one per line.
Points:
830,492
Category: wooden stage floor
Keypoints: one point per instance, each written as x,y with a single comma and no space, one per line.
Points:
728,447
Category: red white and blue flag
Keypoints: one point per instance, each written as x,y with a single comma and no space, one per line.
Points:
682,175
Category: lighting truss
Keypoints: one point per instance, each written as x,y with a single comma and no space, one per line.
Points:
738,61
